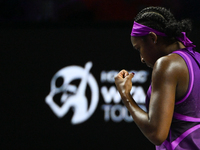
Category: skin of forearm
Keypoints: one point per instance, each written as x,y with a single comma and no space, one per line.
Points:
141,118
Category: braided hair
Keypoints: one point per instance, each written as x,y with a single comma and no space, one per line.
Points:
163,20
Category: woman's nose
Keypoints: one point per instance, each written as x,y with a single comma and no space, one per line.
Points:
142,59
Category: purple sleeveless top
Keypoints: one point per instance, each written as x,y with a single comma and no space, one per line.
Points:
184,132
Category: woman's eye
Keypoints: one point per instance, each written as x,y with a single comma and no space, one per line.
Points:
138,49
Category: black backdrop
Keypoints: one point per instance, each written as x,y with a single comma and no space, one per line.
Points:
31,57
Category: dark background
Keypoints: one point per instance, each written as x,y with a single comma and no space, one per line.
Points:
38,38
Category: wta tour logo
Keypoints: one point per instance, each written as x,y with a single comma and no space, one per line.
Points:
83,96
72,95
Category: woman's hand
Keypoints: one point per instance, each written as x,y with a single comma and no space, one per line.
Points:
123,82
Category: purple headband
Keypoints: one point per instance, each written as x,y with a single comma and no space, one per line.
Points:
142,30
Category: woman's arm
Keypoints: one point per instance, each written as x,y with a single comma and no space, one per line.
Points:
156,123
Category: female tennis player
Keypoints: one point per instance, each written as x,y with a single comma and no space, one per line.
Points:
172,120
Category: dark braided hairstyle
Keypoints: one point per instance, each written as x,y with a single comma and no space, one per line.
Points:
161,19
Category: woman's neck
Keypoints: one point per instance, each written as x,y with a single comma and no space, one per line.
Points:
173,47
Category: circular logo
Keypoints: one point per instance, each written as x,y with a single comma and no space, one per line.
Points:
74,96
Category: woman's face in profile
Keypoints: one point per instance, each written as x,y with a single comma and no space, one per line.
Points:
147,49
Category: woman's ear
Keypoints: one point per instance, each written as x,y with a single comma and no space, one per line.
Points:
153,37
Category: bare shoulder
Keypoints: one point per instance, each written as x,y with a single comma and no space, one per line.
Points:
170,65
171,71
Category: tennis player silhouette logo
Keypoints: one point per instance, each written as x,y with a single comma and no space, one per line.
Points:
73,96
